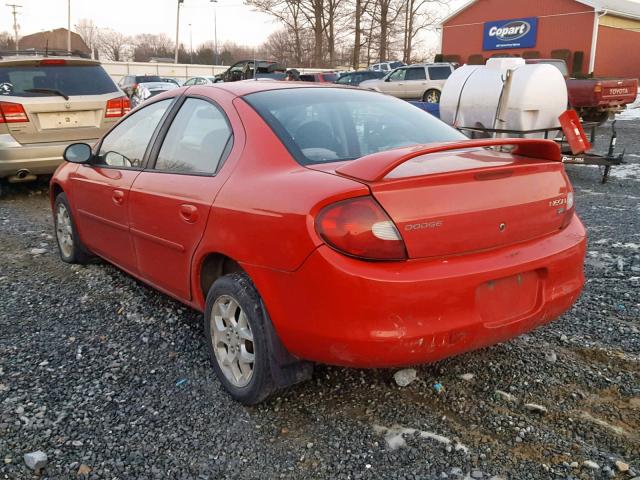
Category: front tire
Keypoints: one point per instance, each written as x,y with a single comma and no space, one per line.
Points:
235,330
431,96
69,245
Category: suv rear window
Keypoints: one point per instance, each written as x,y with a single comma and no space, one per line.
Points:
439,73
70,80
334,124
147,78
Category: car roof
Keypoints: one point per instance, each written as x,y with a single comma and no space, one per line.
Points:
246,87
34,60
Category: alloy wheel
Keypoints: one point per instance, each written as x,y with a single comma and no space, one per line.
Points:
232,340
64,230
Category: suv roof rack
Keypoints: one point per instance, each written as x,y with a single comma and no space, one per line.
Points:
45,53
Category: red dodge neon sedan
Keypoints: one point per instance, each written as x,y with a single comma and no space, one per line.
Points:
324,224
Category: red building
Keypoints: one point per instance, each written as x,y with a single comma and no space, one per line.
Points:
593,36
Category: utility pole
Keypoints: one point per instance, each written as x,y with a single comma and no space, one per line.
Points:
215,33
14,8
190,44
175,60
68,25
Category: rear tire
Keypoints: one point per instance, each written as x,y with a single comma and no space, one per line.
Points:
431,96
235,331
69,244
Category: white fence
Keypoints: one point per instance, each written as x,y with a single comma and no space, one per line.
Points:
179,71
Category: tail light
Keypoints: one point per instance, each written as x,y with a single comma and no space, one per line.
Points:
359,227
597,88
569,210
12,113
117,107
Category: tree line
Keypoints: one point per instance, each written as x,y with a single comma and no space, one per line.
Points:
314,33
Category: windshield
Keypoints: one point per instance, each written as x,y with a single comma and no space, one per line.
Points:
334,124
147,78
16,80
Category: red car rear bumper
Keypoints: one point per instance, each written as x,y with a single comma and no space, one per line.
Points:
343,311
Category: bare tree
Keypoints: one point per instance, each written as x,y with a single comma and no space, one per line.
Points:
289,12
114,45
147,46
419,15
89,33
7,41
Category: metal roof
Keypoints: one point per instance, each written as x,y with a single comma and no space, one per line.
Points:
621,8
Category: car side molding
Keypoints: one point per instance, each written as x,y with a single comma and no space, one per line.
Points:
376,166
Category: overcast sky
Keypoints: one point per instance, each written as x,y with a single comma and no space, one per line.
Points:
236,22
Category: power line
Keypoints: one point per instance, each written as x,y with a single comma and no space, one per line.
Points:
14,8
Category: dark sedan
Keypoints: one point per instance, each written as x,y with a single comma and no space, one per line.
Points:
354,78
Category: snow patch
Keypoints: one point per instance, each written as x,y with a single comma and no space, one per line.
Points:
625,171
395,437
632,111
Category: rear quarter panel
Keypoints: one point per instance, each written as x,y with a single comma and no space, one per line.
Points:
264,213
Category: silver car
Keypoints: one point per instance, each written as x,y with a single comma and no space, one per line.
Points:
422,81
146,90
48,102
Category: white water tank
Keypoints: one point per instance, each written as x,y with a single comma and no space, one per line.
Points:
534,100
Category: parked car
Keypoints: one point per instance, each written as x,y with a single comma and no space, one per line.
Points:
424,82
324,224
146,90
595,99
355,78
244,70
319,77
205,80
386,66
128,83
48,102
170,80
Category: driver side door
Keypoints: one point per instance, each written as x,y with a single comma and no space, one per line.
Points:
394,83
100,190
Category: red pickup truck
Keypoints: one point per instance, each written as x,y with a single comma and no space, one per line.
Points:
595,99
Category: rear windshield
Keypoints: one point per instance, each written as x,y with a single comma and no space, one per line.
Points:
147,78
333,124
69,79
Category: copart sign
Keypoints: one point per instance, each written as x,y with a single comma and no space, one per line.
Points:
514,33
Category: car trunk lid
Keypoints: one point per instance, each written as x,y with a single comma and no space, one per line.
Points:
447,203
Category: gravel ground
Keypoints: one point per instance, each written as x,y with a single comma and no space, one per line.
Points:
110,378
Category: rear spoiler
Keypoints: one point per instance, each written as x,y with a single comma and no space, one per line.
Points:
376,166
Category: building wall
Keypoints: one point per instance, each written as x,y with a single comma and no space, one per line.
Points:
562,24
617,52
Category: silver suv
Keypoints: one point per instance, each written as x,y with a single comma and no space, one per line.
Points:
48,102
422,81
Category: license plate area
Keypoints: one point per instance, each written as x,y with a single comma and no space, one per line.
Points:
67,119
508,299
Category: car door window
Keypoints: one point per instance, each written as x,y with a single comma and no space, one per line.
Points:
397,75
439,73
197,141
201,81
125,145
191,81
416,74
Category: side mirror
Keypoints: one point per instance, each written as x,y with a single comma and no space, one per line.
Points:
387,79
77,153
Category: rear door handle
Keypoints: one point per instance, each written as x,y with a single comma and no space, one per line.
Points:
189,213
118,197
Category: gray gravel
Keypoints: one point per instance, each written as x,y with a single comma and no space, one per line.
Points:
110,379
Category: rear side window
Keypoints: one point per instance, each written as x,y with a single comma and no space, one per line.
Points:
125,145
334,124
330,77
416,74
70,80
198,139
439,73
